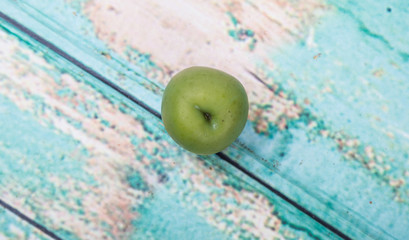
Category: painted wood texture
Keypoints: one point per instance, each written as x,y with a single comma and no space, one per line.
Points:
327,83
14,228
87,163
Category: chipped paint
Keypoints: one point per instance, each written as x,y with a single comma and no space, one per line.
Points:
103,177
13,228
292,92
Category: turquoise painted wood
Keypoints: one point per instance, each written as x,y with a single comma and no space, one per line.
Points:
327,83
13,228
85,162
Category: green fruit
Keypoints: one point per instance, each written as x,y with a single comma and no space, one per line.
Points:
204,110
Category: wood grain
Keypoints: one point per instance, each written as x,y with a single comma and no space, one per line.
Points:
13,228
89,164
281,98
326,82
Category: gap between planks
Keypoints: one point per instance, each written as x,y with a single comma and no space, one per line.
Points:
126,94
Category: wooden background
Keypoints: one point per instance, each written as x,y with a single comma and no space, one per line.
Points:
84,155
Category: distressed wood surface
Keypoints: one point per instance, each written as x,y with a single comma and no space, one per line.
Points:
14,228
327,83
87,163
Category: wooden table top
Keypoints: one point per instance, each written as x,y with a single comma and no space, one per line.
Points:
84,154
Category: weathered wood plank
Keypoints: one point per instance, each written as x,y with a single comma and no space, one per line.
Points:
14,228
88,163
321,110
316,110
